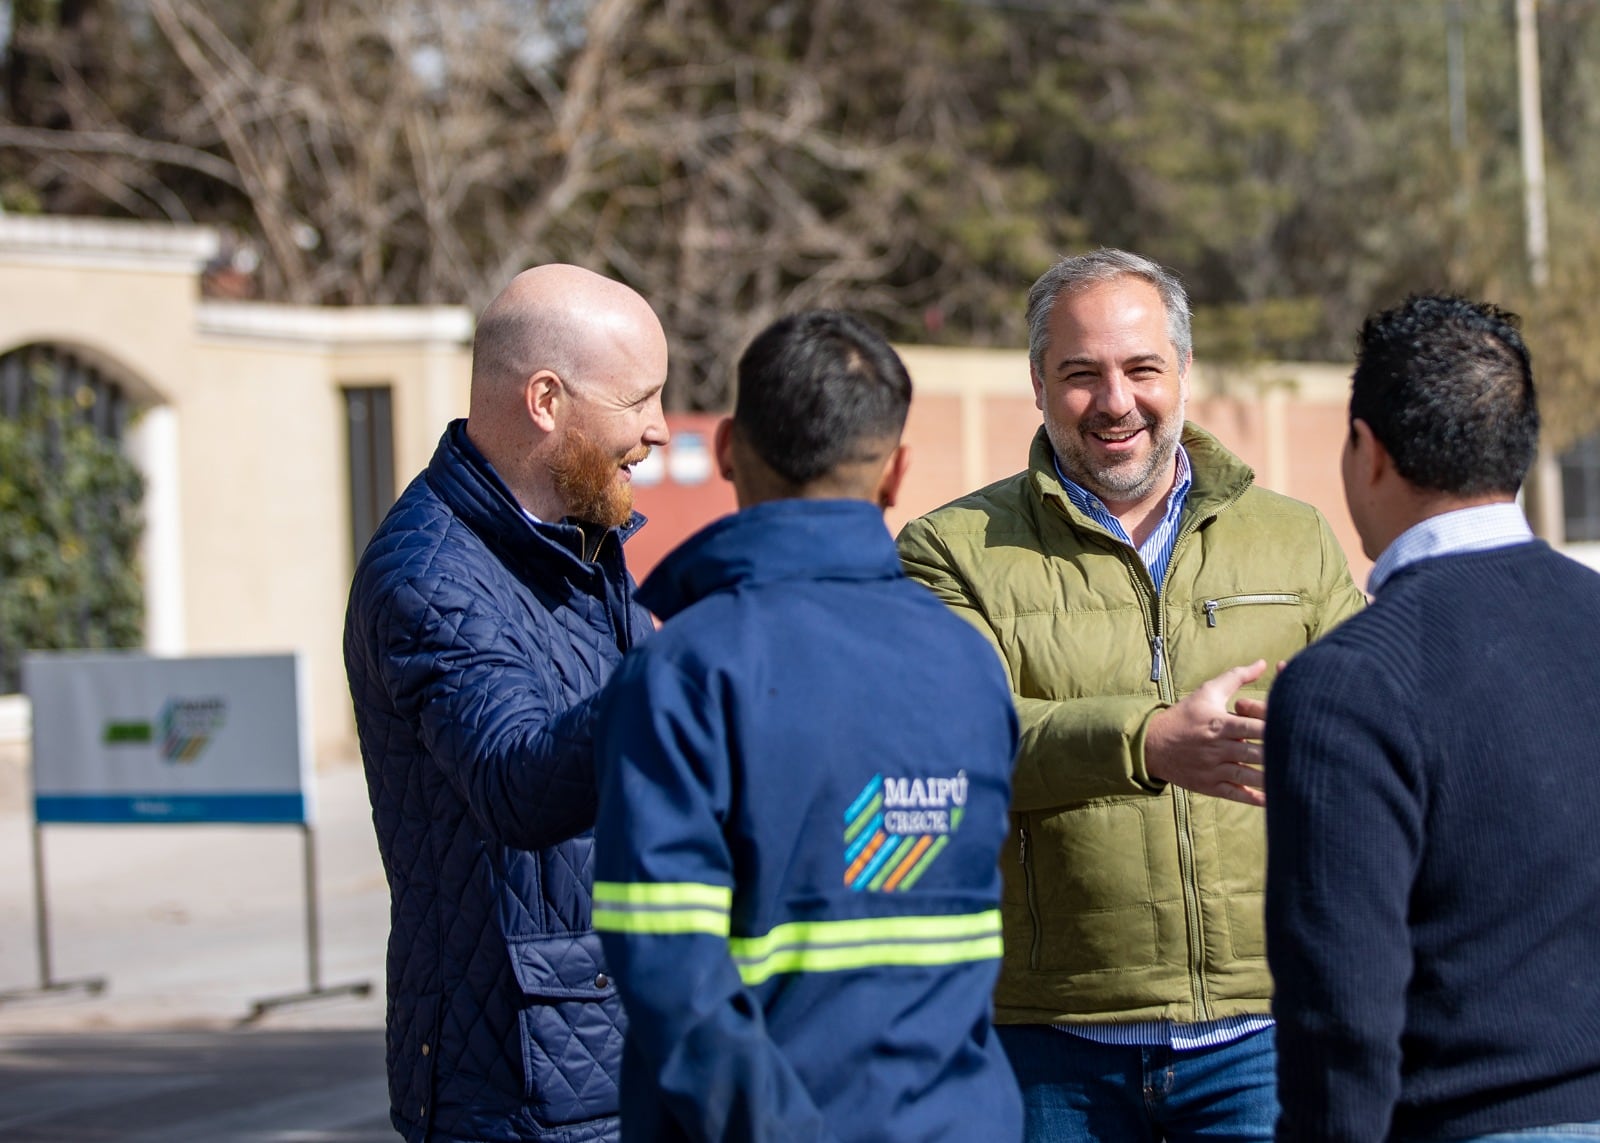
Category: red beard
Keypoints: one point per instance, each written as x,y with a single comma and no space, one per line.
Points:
589,482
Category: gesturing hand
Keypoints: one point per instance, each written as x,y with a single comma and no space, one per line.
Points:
1203,746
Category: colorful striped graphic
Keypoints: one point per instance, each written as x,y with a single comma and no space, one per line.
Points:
877,857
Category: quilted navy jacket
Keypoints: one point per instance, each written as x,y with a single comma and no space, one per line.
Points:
474,642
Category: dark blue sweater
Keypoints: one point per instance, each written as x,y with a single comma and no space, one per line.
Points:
1433,887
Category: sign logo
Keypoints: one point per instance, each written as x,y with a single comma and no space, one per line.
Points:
184,728
897,826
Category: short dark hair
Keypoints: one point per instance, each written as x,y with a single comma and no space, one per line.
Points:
817,390
1446,386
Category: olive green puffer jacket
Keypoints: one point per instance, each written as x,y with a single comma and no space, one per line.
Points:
1126,899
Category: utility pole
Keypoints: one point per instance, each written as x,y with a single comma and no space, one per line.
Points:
1531,118
1542,492
1456,73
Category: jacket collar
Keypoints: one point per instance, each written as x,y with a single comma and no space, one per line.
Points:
1220,478
462,477
773,541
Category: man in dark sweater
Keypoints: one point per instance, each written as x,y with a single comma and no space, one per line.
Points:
1433,775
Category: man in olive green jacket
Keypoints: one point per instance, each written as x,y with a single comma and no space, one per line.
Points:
1134,582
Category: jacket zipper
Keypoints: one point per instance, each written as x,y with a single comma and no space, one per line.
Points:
1222,603
1027,881
1180,797
1156,610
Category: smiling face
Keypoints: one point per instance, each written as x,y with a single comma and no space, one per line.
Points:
595,480
609,427
1113,392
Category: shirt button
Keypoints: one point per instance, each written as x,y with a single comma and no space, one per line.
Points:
424,1049
601,981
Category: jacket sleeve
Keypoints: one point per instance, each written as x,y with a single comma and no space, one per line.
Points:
1342,598
1110,730
1344,836
521,760
664,884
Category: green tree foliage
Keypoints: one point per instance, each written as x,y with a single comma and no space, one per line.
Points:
69,528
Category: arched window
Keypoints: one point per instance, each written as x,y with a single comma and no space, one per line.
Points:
25,372
69,509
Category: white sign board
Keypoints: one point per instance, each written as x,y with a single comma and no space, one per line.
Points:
130,737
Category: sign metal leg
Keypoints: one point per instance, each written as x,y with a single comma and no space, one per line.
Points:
317,990
48,984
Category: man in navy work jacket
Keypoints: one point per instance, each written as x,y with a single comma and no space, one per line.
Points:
488,609
803,793
1433,897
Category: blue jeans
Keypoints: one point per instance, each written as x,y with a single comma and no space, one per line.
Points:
1078,1091
1556,1133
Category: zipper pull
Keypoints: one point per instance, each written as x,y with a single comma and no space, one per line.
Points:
1211,613
1155,660
1022,845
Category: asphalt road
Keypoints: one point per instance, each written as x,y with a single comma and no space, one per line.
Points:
189,927
309,1086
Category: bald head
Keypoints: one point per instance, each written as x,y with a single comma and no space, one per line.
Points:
563,352
552,317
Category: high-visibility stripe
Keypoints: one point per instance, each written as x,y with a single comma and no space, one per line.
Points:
833,946
654,908
663,893
661,923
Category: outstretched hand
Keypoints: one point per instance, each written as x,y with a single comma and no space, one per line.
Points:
1203,746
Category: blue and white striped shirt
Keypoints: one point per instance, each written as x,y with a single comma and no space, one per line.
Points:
1156,552
1476,529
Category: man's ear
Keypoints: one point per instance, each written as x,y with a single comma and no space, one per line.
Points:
1038,388
894,473
1371,458
722,448
542,392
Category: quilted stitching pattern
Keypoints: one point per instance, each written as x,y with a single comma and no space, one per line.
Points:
473,643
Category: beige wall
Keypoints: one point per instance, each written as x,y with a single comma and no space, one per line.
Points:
257,538
244,444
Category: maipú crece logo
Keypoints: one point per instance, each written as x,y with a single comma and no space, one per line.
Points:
183,729
896,827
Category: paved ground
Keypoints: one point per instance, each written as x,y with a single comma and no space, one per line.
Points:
163,1087
189,926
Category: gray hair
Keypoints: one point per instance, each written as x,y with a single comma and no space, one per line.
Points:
1070,275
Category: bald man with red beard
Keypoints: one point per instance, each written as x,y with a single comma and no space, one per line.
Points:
489,608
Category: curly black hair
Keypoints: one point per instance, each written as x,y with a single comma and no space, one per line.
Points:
1446,386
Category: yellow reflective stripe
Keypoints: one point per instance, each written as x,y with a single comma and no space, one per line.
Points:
663,893
662,907
661,923
871,956
832,946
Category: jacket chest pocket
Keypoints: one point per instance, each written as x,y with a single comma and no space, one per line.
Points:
1215,609
571,1023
